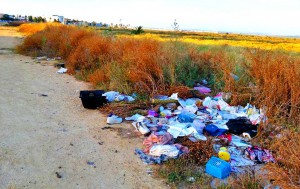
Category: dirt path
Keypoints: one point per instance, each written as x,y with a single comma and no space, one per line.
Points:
44,137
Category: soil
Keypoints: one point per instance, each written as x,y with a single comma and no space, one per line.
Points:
47,138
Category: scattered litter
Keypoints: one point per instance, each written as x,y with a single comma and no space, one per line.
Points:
113,119
90,163
40,94
226,129
224,154
149,171
148,159
41,58
112,96
60,65
44,95
235,77
104,128
92,99
62,70
58,175
203,90
218,168
191,179
259,155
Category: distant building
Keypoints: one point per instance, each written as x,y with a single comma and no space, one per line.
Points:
20,17
57,18
99,24
12,16
82,23
67,21
7,17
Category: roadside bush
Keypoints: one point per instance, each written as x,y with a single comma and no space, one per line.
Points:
89,54
32,28
276,76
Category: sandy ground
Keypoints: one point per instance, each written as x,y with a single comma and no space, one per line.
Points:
47,138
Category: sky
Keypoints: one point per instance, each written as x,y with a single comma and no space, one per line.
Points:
271,17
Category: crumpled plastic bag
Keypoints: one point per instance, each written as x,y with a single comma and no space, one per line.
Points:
174,96
169,150
185,117
135,117
216,103
198,125
111,95
203,90
116,96
62,70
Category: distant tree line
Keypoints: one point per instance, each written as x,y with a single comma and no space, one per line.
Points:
36,19
7,17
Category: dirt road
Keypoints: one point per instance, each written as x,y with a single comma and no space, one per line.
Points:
48,140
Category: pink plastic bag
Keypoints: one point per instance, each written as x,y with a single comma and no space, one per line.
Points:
203,90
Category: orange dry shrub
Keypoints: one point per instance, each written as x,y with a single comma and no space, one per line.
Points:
49,42
72,38
55,40
32,45
276,77
52,39
116,63
32,28
286,171
142,58
131,65
100,77
91,53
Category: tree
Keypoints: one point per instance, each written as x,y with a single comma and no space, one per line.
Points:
6,17
30,19
34,19
138,30
39,19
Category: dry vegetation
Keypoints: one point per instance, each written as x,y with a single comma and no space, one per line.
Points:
219,39
32,28
268,79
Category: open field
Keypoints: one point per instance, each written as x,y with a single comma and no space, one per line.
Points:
291,44
264,71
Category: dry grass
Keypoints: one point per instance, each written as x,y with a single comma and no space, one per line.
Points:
286,171
199,152
236,40
125,109
32,28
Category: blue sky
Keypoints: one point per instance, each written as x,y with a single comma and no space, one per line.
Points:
274,17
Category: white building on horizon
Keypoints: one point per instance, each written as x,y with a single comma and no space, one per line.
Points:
57,18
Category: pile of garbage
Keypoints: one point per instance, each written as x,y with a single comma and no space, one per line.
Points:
198,119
